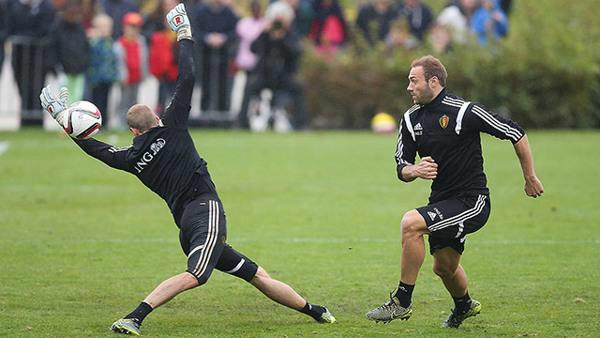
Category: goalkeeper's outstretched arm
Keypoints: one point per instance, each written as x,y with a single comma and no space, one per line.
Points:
55,103
178,111
113,157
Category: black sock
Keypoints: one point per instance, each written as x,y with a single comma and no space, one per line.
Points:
140,312
462,304
312,310
404,294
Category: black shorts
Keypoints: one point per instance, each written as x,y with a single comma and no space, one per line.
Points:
449,221
202,236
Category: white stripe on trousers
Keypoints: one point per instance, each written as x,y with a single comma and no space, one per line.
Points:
461,227
237,267
463,216
211,238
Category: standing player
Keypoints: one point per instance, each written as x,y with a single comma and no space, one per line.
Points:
444,129
164,158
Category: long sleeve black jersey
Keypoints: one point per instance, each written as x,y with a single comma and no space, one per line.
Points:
164,158
447,129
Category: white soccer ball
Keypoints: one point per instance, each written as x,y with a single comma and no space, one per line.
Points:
83,120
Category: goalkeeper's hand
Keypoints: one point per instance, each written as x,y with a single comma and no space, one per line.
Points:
179,22
55,103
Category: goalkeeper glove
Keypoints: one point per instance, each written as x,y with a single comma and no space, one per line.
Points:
179,22
55,103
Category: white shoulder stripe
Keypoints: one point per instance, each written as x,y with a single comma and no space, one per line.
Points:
400,149
452,100
502,127
451,104
459,118
408,122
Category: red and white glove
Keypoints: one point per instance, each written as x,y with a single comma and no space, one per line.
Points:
55,102
179,22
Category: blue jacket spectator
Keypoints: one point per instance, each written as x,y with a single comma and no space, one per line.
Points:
489,21
117,9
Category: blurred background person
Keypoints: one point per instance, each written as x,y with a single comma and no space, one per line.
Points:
72,49
278,50
132,58
89,10
213,24
440,39
248,29
163,51
32,57
303,15
489,21
399,37
3,30
375,19
117,9
457,19
328,30
420,17
506,6
102,71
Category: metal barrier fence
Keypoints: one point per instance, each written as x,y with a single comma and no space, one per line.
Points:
26,70
30,60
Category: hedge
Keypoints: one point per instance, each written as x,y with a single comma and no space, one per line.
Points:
545,74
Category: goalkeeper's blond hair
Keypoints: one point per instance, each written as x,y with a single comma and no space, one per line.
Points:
141,117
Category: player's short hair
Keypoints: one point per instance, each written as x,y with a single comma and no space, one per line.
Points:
141,117
431,67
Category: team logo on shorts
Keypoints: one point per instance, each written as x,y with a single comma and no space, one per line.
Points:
444,121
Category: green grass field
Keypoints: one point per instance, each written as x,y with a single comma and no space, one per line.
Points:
81,244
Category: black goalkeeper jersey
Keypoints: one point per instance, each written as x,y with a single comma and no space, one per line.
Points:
447,129
164,158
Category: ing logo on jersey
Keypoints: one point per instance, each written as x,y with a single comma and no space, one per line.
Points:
444,120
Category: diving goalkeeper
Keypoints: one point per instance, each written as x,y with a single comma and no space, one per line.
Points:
164,158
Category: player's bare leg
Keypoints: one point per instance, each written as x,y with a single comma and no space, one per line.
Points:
446,264
163,293
170,288
287,296
413,227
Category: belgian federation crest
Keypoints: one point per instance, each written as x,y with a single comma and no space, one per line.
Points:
444,121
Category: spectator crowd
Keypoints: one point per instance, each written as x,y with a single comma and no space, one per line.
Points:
244,47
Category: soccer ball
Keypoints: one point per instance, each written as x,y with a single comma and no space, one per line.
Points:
83,120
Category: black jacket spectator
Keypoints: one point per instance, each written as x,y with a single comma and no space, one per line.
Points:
30,20
3,30
28,23
213,26
219,19
420,17
279,56
278,59
71,46
374,20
